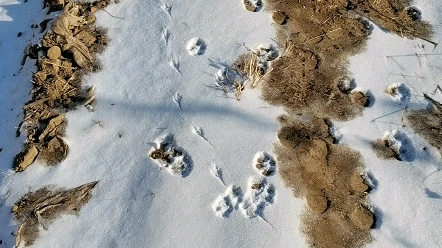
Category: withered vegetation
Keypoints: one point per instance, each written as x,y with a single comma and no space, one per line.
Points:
68,52
41,207
428,123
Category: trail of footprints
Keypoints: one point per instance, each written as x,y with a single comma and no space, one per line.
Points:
259,194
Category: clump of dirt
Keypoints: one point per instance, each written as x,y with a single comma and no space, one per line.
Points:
329,177
383,150
43,206
68,51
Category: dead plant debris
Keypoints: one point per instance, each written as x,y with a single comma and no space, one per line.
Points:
68,52
41,207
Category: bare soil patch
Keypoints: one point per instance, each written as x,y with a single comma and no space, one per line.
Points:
330,177
318,36
311,81
68,53
43,206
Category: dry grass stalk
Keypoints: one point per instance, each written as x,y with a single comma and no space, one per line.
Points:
44,205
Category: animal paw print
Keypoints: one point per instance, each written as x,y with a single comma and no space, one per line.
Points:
259,194
264,163
170,156
227,202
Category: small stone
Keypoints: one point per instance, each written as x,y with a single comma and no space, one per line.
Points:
14,208
258,166
249,6
157,154
54,52
362,218
267,172
256,186
279,17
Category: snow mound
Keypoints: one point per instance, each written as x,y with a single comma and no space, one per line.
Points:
170,156
264,163
227,202
401,145
259,195
196,46
399,92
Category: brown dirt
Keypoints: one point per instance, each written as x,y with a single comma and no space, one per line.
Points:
329,176
41,207
318,37
383,150
310,80
68,54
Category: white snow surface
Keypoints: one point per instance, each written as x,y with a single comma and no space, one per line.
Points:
149,85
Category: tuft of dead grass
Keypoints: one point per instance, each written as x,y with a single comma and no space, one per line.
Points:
427,123
41,207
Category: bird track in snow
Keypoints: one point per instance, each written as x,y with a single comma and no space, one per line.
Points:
167,7
166,35
218,173
197,130
177,97
175,64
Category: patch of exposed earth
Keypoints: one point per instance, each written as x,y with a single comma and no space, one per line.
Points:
310,79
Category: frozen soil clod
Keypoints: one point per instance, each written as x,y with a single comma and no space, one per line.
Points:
170,156
252,5
67,53
395,144
41,207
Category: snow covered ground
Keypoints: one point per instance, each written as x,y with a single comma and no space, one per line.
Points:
151,85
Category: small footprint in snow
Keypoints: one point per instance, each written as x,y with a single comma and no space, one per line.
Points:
399,92
259,195
197,130
264,163
167,7
196,46
227,202
218,173
177,97
175,64
166,35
